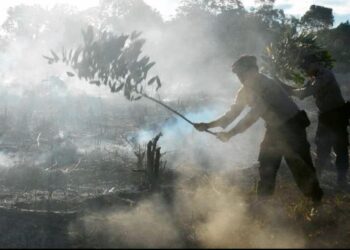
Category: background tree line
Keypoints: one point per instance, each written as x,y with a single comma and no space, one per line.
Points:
202,37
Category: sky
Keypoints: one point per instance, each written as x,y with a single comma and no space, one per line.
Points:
167,8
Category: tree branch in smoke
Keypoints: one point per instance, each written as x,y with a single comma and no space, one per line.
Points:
110,60
282,58
113,61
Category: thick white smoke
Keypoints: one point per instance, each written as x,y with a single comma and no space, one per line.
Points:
208,212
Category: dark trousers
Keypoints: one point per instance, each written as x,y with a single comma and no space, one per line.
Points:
332,134
288,141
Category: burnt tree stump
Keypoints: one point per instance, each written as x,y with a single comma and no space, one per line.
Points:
154,165
153,162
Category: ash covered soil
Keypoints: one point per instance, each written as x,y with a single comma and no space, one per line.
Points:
192,208
57,195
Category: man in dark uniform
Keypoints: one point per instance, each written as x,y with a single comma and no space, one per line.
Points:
332,120
285,129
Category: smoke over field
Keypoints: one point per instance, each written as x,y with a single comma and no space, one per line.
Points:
87,160
185,144
211,213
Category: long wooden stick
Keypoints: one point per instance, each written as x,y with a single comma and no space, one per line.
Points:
175,112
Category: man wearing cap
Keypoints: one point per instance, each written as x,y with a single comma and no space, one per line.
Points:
285,129
333,117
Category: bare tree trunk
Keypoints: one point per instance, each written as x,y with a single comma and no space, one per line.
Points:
156,168
149,170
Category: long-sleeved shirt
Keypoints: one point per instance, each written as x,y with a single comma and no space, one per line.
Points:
266,99
324,89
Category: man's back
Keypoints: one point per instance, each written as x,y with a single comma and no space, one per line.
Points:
327,91
275,106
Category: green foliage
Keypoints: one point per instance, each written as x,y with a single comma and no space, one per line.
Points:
111,60
318,17
282,58
337,41
224,29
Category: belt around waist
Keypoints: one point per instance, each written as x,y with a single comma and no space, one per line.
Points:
300,120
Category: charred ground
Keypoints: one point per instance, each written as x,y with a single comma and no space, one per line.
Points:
62,193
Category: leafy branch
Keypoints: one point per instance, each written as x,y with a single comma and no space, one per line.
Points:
111,60
114,61
283,58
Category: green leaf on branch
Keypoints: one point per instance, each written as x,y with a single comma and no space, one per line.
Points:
282,59
106,58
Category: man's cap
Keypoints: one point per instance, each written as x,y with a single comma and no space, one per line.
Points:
244,63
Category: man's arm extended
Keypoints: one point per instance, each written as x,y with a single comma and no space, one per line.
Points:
228,117
301,93
304,92
252,116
